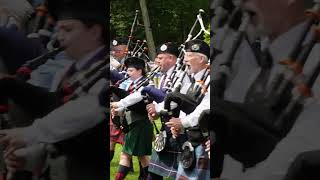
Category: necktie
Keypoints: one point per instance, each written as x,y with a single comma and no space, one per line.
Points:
192,86
163,81
257,89
131,87
66,80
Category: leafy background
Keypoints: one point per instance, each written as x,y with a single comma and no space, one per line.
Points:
171,20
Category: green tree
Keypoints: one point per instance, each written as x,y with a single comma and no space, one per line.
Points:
170,20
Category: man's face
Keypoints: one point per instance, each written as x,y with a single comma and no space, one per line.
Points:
134,73
75,37
193,59
119,52
164,61
267,15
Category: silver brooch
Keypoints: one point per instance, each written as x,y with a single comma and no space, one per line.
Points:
114,42
195,47
163,47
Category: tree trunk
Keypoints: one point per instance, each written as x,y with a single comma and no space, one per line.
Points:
148,30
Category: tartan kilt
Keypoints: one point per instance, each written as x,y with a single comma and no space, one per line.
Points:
164,163
201,170
116,135
138,141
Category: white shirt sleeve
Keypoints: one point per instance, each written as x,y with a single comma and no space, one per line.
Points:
130,100
192,119
159,106
65,122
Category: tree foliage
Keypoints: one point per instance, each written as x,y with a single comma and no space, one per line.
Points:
170,20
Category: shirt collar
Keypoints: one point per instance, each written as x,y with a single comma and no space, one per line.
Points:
83,61
169,71
137,80
281,47
199,74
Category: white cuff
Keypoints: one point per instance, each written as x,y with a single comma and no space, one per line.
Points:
185,120
130,100
158,107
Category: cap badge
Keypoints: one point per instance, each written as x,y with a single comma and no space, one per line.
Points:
195,47
163,47
114,42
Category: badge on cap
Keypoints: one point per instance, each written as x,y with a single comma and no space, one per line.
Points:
195,47
163,47
114,42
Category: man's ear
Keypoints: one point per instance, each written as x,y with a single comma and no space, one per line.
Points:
203,60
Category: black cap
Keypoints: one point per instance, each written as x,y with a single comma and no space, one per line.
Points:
198,46
94,11
119,41
169,48
134,62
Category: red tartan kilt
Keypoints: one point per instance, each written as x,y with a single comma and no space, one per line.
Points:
116,135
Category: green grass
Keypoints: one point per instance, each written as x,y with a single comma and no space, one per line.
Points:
114,164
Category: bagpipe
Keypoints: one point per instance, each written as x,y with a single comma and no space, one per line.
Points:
149,94
180,70
141,84
225,67
134,23
138,48
120,122
176,77
233,112
26,69
188,102
290,87
220,35
86,80
184,102
41,24
179,73
38,102
24,72
221,9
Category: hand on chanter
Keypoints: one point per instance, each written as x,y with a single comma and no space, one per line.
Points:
175,126
152,113
175,132
114,105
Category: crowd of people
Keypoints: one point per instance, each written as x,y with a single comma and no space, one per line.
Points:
133,115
